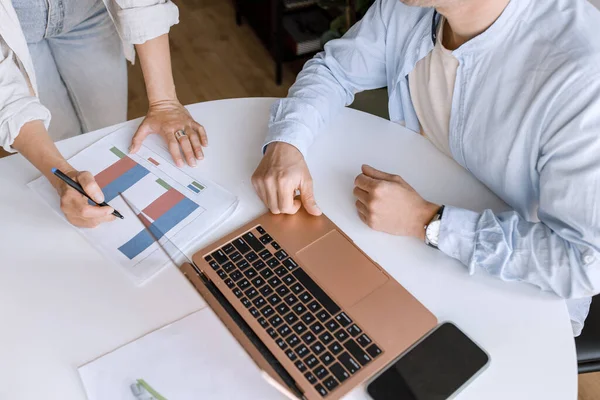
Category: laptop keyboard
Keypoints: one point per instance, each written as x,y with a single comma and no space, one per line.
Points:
324,343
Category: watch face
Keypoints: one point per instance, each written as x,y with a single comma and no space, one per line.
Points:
433,232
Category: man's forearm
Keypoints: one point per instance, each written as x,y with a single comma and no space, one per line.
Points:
155,59
36,146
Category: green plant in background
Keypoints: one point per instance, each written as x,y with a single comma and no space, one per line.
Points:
347,11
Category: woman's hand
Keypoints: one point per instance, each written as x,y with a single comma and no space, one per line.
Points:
166,118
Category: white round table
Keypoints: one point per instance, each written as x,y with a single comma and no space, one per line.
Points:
62,304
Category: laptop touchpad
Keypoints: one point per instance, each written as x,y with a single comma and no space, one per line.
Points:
341,269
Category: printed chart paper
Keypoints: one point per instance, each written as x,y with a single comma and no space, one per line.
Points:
172,203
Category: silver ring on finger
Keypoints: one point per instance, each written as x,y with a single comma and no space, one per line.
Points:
179,134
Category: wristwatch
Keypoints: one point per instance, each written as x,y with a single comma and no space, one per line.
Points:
432,230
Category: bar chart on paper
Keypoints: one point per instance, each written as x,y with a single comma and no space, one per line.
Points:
169,202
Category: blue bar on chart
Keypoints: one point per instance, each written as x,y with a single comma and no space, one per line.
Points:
193,188
162,225
124,182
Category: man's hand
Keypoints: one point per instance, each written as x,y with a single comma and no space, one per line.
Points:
76,207
166,118
387,203
280,173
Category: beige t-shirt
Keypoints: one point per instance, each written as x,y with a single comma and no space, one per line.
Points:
431,85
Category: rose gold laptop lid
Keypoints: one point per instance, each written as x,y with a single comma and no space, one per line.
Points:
385,319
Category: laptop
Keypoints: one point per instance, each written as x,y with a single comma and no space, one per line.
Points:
313,311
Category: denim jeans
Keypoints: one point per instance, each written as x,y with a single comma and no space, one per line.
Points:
79,63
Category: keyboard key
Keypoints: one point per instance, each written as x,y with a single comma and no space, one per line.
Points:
263,322
266,273
305,297
302,351
254,312
326,338
265,254
349,363
228,248
290,264
236,275
335,348
282,309
310,377
243,284
266,290
358,353
373,350
332,325
258,282
281,343
208,259
280,271
314,306
308,338
299,328
291,300
317,348
341,335
308,318
272,332
236,256
339,372
299,309
284,330
266,239
250,273
354,330
363,340
261,230
322,391
293,340
274,282
317,328
230,284
267,311
282,290
214,265
259,302
241,245
252,256
273,263
326,358
297,288
245,302
291,355
238,293
330,383
222,274
311,361
228,267
260,264
253,241
291,318
281,255
300,365
289,279
251,293
276,321
320,372
323,315
219,256
275,245
274,299
242,265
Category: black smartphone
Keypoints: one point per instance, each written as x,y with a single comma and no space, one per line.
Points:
436,368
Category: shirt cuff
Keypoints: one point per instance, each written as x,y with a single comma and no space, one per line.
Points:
290,132
140,24
457,234
19,113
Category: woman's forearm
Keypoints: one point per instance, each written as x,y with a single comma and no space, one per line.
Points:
155,59
36,146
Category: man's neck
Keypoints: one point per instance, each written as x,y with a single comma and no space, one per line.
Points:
468,18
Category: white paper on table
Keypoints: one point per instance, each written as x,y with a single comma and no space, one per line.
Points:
192,359
214,203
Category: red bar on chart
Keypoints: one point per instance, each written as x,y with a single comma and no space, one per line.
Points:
163,204
153,161
115,171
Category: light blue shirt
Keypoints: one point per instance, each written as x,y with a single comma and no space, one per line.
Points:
525,120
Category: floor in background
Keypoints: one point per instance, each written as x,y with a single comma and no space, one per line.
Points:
589,386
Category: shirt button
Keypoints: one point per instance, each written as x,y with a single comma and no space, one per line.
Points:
588,259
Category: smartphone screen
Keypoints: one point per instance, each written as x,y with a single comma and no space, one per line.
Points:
432,370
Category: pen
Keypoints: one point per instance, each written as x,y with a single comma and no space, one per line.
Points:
63,177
